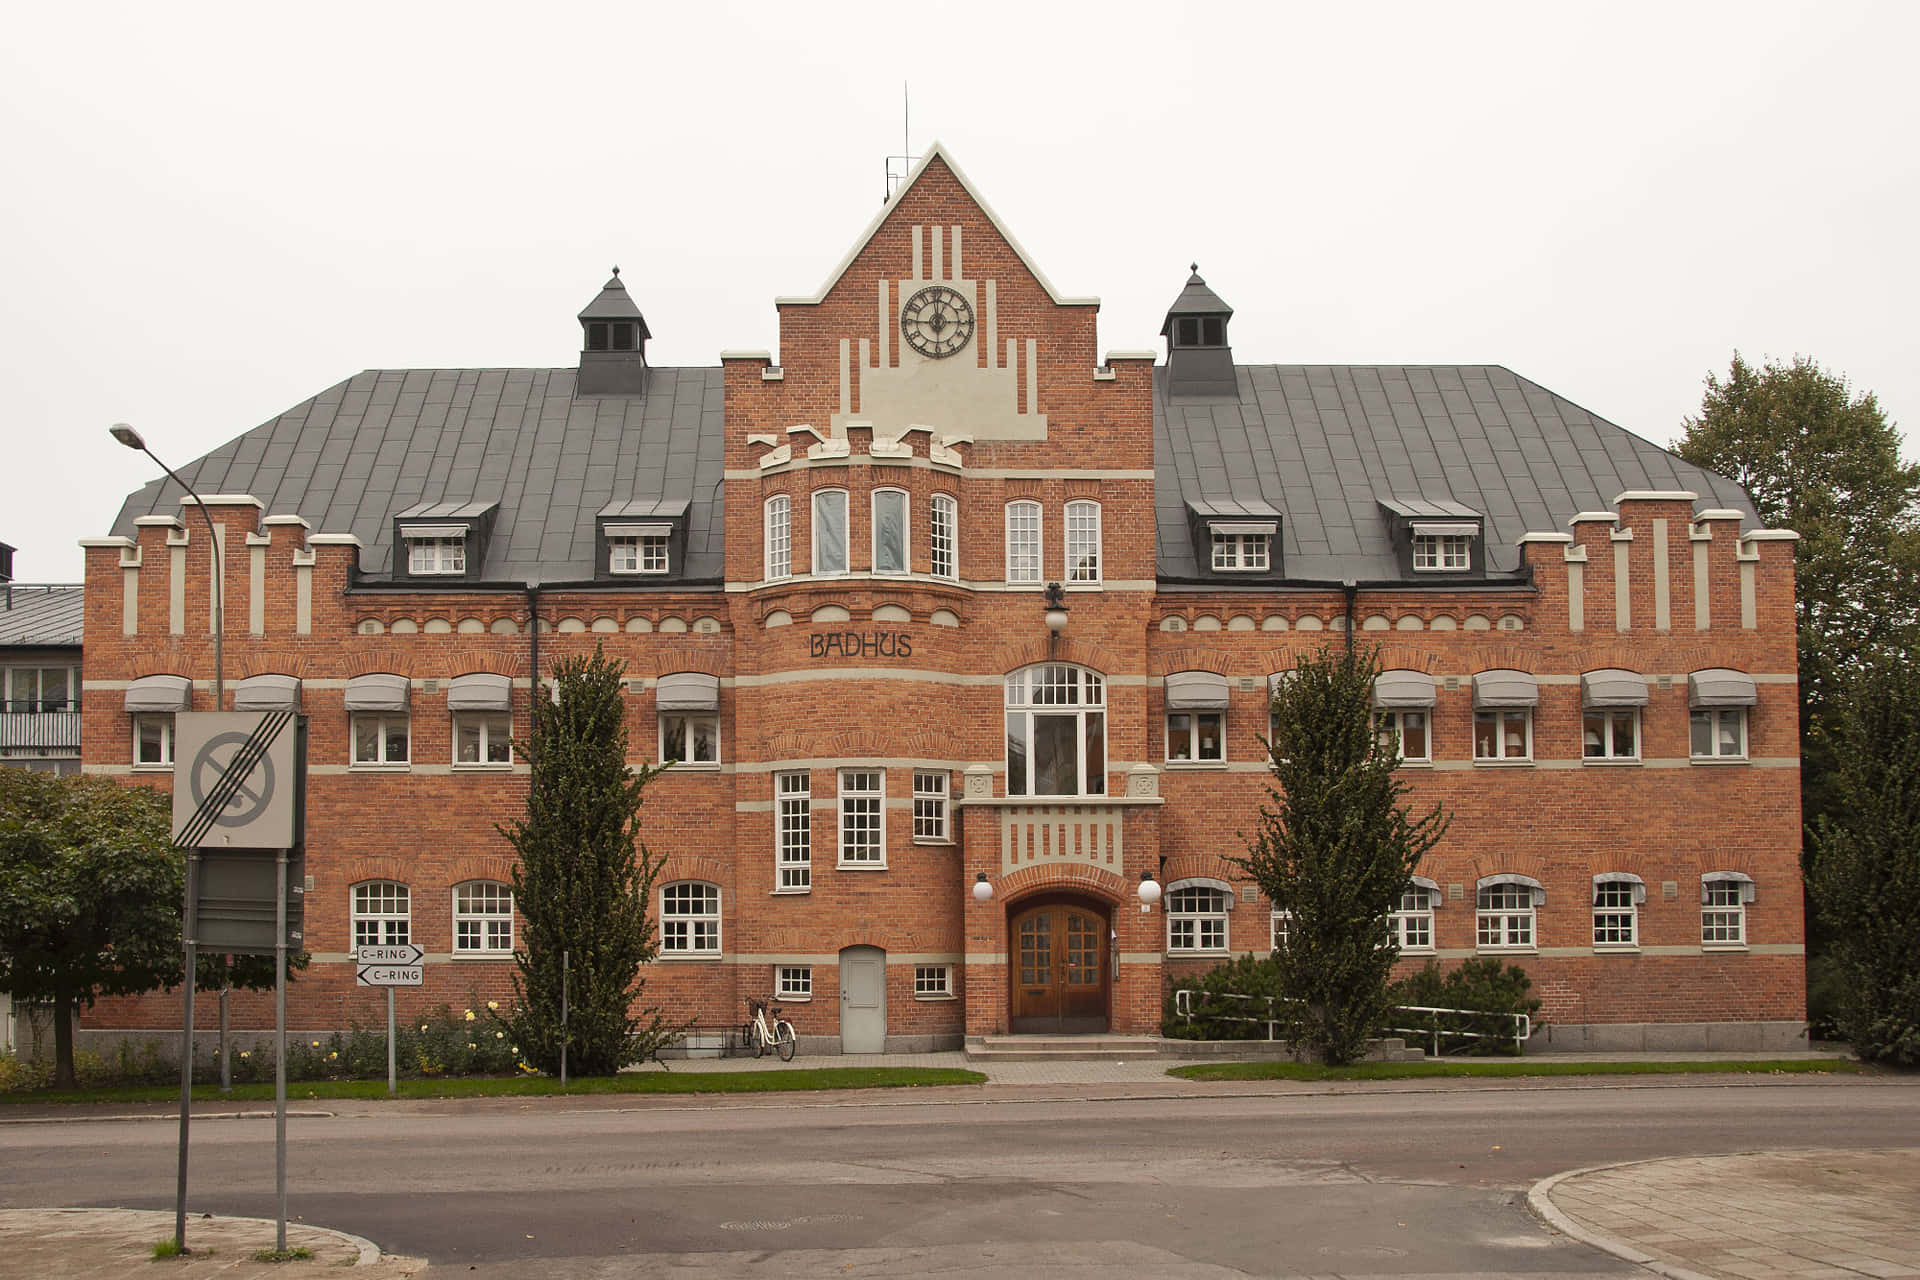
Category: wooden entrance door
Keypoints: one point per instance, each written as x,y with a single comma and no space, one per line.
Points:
1061,968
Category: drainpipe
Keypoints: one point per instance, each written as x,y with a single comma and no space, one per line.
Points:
533,659
1351,587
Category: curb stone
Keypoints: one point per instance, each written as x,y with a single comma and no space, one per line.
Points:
1540,1202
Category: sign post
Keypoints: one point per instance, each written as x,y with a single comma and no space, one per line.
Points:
389,966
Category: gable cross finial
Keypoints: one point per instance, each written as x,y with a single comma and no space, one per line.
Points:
616,272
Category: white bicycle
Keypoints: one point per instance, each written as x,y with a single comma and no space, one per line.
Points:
768,1030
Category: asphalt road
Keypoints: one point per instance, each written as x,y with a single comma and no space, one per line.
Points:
1411,1180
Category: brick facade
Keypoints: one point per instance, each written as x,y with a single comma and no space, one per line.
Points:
903,673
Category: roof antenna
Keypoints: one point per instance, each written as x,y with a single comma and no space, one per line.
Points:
898,167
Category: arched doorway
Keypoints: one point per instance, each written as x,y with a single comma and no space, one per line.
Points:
1062,964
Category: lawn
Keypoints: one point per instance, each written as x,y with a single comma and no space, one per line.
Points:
1502,1068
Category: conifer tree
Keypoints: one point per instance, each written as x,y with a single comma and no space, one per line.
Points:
1335,852
583,882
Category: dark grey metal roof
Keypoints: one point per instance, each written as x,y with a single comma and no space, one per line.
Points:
1196,299
445,511
355,456
613,302
1328,444
1422,509
36,616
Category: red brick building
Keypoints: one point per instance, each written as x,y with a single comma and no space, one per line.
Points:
920,791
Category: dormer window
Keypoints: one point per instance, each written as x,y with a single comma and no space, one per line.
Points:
1443,548
637,548
1240,552
610,335
1200,331
437,551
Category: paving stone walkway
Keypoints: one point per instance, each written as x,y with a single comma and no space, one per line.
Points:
1782,1215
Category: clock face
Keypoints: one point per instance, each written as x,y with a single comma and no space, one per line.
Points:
937,321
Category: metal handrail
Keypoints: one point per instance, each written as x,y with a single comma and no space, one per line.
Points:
1522,1023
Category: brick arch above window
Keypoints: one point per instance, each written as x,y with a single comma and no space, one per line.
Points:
1012,656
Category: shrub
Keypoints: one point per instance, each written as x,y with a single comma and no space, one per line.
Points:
1214,1016
1482,984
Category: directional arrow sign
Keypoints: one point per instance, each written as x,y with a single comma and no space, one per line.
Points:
404,953
390,975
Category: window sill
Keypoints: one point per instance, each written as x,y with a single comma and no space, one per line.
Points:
690,766
1026,586
385,767
1086,586
1182,766
1417,951
153,768
1724,946
706,957
1425,763
1616,948
1503,764
792,893
1528,950
1609,762
489,767
934,996
1718,760
785,998
1188,955
481,955
933,840
859,866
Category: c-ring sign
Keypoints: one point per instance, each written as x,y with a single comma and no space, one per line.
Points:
234,780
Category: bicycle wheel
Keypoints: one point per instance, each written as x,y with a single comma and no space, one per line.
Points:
759,1039
784,1040
746,1036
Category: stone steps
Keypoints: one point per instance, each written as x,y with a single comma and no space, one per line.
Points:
1063,1048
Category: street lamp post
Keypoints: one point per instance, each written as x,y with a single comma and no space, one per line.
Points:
127,436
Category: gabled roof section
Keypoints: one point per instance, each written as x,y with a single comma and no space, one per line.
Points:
387,441
1338,447
40,616
936,152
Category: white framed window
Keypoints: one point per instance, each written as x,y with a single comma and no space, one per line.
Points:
1056,732
1412,921
1279,929
793,982
1083,541
1442,552
779,538
1610,733
30,690
1503,917
863,818
829,531
793,855
153,740
1197,919
943,536
1241,552
382,914
930,805
690,919
1723,909
1503,733
637,553
890,550
437,555
380,738
1023,542
1718,733
690,737
1405,734
1196,736
482,918
932,981
482,739
1616,917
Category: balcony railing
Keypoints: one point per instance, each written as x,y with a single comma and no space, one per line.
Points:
40,731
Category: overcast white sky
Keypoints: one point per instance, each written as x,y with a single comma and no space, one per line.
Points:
214,212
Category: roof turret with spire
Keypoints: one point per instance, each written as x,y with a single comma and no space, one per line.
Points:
613,344
1199,359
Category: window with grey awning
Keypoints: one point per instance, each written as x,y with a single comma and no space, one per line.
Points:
1504,688
480,691
267,693
1538,890
1613,687
1196,691
378,692
1621,877
688,691
1434,896
1747,887
1720,687
1403,690
160,694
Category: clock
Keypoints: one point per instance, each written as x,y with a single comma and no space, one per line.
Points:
937,321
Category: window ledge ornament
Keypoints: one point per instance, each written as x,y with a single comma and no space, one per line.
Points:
1143,782
978,783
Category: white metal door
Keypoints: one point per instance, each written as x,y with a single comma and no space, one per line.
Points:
863,1000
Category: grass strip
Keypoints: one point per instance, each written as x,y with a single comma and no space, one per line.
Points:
1505,1068
801,1080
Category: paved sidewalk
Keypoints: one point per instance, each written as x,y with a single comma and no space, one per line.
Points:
117,1244
1780,1215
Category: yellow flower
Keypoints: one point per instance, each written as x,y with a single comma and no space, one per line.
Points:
423,1026
499,1035
469,1015
472,1045
245,1054
493,1004
316,1044
333,1055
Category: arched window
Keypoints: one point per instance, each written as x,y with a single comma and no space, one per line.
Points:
890,531
690,919
1083,541
779,544
1056,732
1197,915
482,917
382,914
943,536
829,531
